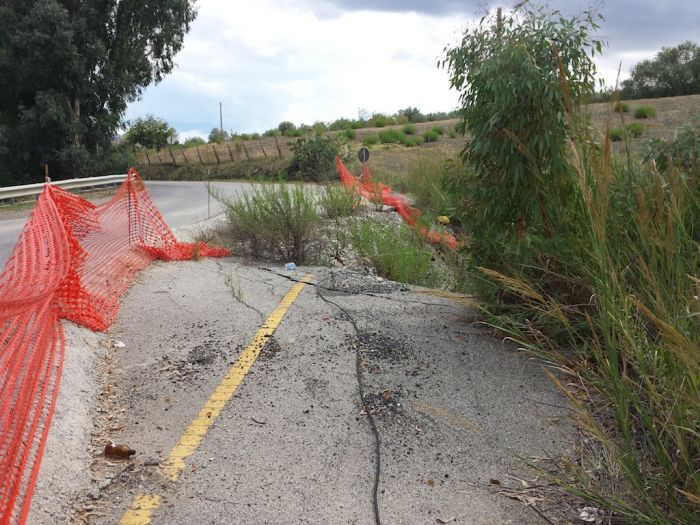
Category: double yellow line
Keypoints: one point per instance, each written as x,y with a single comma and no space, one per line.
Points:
143,506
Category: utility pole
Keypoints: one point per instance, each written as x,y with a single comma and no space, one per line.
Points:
221,119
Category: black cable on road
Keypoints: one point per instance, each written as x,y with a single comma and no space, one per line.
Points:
361,391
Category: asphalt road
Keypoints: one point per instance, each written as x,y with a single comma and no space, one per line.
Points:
286,437
454,407
181,203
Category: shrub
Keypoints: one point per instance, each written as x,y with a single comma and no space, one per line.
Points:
410,129
194,141
431,136
319,127
394,251
370,140
273,221
340,124
452,134
409,142
635,129
617,134
338,201
683,151
518,160
285,127
621,107
389,136
313,158
348,134
378,121
439,130
645,112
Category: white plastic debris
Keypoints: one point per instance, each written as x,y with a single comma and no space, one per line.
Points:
591,515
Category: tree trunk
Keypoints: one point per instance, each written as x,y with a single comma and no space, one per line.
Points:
76,119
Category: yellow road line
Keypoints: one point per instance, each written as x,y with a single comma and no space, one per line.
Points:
141,510
143,505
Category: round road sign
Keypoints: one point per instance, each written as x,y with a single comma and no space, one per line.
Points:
363,154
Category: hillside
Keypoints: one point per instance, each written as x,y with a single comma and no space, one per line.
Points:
671,114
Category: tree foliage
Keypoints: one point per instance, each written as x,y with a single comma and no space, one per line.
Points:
69,68
518,80
674,72
150,132
218,136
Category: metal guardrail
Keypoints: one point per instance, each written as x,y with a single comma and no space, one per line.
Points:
13,192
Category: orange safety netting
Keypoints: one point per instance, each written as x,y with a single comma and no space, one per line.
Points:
378,192
73,260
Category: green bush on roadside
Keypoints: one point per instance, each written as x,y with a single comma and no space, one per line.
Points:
273,221
337,200
394,251
314,158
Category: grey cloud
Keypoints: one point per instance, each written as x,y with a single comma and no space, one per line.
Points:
427,7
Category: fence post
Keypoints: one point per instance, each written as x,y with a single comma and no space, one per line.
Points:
213,146
199,155
245,150
170,150
230,153
262,147
279,150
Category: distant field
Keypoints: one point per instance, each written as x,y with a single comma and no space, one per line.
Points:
671,115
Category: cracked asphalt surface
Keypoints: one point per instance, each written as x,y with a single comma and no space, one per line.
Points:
454,407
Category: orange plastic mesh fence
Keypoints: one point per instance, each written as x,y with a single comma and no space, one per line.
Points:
73,260
381,193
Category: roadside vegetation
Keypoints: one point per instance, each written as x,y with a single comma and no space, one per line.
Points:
588,260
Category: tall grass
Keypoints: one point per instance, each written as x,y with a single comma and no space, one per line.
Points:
616,303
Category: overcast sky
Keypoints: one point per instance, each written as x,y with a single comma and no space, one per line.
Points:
319,60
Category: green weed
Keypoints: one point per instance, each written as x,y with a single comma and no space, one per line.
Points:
338,201
273,221
395,252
